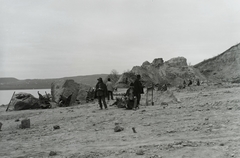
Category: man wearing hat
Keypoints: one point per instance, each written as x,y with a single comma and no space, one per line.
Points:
101,93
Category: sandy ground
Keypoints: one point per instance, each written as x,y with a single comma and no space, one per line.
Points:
205,124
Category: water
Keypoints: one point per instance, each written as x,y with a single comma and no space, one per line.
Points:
5,95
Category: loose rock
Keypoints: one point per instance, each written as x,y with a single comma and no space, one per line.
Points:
56,127
52,153
0,126
118,128
25,123
164,103
140,152
134,130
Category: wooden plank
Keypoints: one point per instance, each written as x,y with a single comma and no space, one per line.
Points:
10,101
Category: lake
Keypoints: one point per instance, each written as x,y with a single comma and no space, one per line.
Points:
5,95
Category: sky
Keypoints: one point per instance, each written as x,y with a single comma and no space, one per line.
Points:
61,38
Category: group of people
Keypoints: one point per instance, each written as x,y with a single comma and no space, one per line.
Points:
133,94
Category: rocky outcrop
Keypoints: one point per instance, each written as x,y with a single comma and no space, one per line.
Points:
157,62
23,101
68,91
177,62
224,67
173,72
65,91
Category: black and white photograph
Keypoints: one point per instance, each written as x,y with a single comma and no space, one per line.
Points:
119,78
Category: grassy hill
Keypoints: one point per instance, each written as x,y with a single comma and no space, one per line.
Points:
13,83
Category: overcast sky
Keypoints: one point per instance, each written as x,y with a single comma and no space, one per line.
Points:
61,38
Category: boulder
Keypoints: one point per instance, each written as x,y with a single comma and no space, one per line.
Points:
64,92
24,101
177,62
25,123
145,64
157,62
172,72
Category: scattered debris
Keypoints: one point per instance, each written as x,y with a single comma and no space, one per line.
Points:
155,156
118,128
1,126
148,124
25,123
134,130
164,103
140,152
56,127
52,153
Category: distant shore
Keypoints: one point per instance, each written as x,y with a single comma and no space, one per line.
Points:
14,88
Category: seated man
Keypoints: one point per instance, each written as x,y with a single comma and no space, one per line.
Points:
131,99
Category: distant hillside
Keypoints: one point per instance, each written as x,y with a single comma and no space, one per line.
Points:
90,80
13,83
8,80
224,67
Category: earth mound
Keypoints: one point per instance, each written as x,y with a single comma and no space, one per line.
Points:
224,67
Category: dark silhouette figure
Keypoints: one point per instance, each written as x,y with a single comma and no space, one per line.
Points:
198,82
138,89
190,83
101,93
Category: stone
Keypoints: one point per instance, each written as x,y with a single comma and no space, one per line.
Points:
24,101
118,128
64,92
157,62
164,103
1,126
56,127
140,152
134,130
145,64
52,153
25,123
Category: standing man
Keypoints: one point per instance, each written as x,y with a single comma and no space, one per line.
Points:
138,89
110,89
101,92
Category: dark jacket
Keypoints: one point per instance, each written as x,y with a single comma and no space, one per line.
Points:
138,88
101,89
